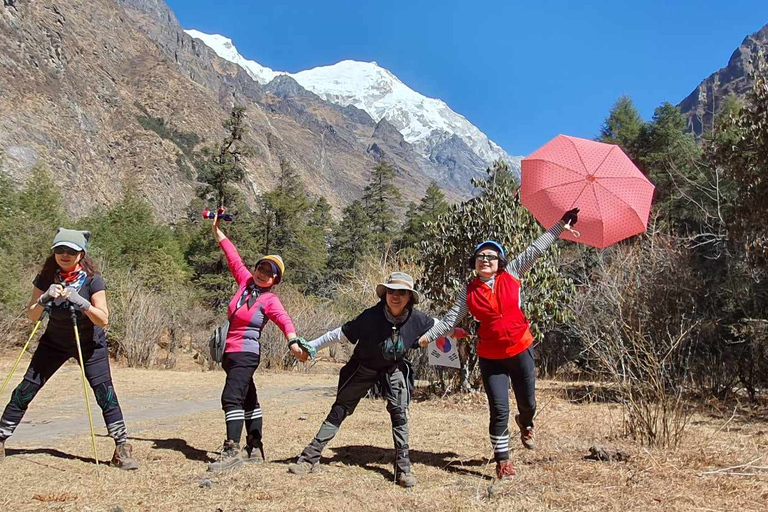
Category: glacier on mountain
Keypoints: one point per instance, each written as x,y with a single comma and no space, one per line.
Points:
424,122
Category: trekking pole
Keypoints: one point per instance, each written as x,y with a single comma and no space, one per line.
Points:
85,388
46,310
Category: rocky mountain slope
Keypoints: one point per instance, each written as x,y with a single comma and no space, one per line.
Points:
704,102
92,89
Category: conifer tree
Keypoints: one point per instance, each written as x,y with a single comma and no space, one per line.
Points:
352,238
418,217
288,222
623,126
380,197
222,164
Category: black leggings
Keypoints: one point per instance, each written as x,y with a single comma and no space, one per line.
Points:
239,398
496,376
47,360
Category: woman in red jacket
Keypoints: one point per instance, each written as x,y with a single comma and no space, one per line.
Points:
504,348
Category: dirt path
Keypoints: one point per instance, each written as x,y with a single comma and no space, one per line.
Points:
59,409
70,419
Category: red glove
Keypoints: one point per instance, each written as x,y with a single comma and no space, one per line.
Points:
459,333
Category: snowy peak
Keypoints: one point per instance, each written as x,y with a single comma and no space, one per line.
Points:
225,49
424,122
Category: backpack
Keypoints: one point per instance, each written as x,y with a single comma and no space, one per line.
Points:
218,341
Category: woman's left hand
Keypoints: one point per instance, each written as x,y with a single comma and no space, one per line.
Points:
76,299
571,217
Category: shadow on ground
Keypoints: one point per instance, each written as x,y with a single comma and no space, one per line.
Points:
9,452
178,445
370,458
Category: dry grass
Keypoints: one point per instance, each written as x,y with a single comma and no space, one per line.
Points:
449,450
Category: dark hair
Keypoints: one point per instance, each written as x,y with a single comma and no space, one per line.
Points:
502,263
49,267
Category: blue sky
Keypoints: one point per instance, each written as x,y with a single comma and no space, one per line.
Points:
521,71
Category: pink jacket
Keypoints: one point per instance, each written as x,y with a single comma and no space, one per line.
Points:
246,326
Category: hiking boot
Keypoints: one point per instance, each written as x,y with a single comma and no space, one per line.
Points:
504,470
253,453
526,434
229,457
406,480
123,457
303,467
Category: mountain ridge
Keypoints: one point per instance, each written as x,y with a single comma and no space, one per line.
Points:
423,121
701,106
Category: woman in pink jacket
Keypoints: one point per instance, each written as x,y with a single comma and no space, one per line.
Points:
250,309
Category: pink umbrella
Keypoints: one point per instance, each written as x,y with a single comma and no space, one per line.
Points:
567,172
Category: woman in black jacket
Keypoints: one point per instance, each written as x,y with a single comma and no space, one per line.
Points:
382,335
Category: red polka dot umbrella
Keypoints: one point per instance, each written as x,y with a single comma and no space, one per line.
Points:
613,196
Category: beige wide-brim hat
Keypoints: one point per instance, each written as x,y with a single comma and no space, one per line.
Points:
398,281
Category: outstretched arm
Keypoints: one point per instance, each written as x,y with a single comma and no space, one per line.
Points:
319,343
452,318
275,311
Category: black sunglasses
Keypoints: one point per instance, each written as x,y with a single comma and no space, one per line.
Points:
486,257
265,269
63,249
396,292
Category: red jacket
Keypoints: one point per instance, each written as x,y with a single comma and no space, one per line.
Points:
504,331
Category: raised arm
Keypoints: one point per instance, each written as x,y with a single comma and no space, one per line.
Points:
235,263
525,260
523,263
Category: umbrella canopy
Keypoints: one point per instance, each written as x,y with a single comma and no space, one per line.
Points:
567,172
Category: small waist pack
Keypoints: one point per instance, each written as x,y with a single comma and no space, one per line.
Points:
393,348
218,341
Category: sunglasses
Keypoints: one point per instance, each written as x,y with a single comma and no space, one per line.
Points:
486,257
399,293
63,249
266,270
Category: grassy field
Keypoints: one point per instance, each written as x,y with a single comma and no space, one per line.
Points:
449,448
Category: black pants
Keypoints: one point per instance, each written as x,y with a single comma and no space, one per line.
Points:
354,382
497,373
46,361
239,398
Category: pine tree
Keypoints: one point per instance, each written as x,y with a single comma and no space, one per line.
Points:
670,158
222,164
623,126
351,239
419,217
289,225
380,197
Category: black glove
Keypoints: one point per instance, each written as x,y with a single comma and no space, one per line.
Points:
571,217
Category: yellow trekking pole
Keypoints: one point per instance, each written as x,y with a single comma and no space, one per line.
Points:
85,387
24,349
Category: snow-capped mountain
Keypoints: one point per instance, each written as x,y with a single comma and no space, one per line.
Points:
424,122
